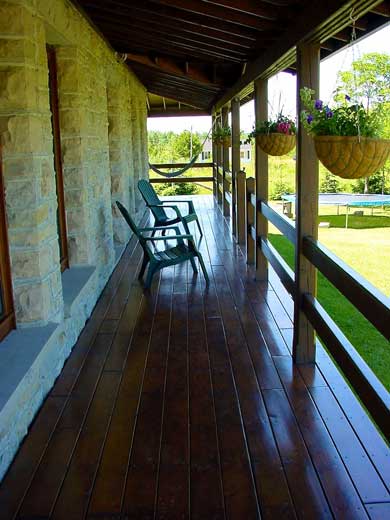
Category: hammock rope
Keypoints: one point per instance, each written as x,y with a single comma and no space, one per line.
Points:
176,173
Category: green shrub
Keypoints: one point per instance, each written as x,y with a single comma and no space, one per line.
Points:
170,190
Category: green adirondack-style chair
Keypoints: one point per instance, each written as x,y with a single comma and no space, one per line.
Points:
171,256
157,207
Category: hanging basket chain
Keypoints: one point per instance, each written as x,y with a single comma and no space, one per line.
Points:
352,45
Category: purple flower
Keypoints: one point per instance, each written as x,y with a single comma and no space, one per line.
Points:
347,98
318,104
309,118
329,114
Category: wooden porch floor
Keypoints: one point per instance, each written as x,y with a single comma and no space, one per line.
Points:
184,403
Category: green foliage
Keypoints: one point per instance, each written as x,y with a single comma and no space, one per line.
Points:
330,184
368,81
220,132
280,125
345,119
280,188
168,147
377,183
370,344
182,188
186,145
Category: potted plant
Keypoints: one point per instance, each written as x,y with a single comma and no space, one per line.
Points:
346,137
222,135
276,136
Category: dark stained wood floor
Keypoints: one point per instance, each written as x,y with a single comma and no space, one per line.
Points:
184,403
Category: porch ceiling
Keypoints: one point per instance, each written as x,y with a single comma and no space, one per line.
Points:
199,52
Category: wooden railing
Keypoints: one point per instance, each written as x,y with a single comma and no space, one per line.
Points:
374,306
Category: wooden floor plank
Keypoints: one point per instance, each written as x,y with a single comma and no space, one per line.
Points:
343,499
173,499
301,475
107,493
205,470
182,402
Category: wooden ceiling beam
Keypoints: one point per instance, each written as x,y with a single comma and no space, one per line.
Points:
151,34
170,66
382,9
167,14
151,26
171,50
177,113
183,97
253,7
219,12
316,23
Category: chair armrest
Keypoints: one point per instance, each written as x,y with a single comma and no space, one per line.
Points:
175,208
190,203
160,228
170,237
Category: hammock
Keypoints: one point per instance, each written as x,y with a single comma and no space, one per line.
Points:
176,173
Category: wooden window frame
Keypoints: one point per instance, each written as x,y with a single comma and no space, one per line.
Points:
53,95
7,322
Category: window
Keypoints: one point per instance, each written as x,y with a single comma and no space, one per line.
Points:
242,154
248,154
55,123
7,315
206,155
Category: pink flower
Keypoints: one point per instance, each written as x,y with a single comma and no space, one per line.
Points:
283,128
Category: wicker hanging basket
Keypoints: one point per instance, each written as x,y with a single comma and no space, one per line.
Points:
352,157
227,141
276,144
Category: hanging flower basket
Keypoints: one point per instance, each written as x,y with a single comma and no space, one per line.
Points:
351,157
276,143
227,141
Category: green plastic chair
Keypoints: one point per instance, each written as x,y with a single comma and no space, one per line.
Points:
171,256
157,207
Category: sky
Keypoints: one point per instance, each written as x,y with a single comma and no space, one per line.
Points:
282,88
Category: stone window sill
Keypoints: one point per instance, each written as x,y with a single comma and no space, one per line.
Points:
21,348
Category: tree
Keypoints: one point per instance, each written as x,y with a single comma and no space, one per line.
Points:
186,145
330,184
368,81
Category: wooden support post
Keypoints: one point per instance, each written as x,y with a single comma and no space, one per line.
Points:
219,163
250,221
306,207
261,175
225,163
214,158
235,162
241,206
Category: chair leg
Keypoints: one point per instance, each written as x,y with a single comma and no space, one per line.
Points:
194,268
200,229
187,229
151,271
145,262
206,276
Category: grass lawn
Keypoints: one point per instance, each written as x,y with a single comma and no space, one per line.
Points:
367,250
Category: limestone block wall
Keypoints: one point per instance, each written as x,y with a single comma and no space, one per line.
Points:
28,166
102,114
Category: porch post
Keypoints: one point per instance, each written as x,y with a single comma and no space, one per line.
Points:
308,72
261,176
219,162
225,163
214,157
235,162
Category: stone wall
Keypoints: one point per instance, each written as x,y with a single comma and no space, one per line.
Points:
102,109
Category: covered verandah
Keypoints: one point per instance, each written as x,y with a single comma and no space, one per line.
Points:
219,401
185,402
